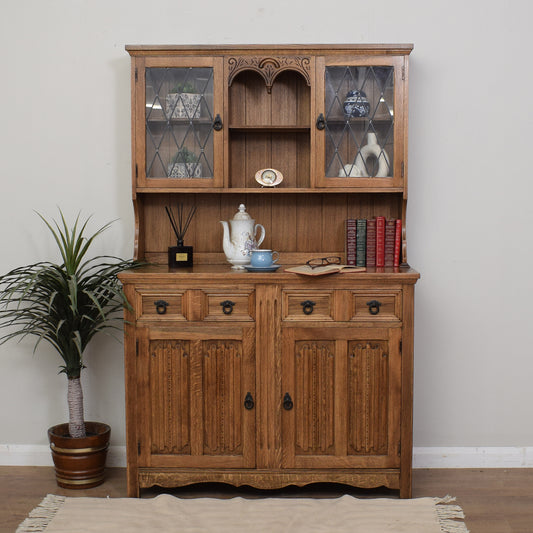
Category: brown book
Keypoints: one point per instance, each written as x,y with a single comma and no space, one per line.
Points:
390,237
306,270
371,242
398,243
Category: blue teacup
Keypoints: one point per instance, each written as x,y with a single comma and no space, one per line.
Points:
263,258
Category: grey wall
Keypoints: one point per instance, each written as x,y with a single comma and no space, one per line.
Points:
65,141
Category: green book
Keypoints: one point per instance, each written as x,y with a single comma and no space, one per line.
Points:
360,246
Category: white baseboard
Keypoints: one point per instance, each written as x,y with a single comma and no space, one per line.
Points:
433,457
474,457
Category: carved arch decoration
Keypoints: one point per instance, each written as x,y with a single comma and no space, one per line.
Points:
269,68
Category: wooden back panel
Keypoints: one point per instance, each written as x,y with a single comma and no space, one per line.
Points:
296,225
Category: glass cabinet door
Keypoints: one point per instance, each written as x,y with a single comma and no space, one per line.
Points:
183,126
359,125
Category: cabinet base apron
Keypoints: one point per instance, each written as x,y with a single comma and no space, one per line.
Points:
269,479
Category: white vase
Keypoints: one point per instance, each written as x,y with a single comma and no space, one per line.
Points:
358,169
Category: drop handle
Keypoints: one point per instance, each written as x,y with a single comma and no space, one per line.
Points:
227,307
249,401
217,124
308,306
373,306
320,122
287,402
161,307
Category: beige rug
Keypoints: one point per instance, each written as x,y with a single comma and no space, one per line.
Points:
57,514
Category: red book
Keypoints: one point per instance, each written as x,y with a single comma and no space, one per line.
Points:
371,242
380,242
397,243
350,244
390,235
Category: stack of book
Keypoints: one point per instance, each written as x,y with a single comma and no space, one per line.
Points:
374,242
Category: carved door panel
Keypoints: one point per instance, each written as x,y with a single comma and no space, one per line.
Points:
196,392
341,404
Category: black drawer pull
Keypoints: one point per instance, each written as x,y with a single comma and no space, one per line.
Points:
227,306
373,307
161,307
308,306
249,401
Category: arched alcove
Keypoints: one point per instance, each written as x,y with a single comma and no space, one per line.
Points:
266,124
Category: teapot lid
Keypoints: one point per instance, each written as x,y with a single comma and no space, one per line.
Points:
241,214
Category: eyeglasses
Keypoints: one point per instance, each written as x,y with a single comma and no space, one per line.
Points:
323,261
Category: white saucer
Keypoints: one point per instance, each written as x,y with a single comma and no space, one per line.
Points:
271,268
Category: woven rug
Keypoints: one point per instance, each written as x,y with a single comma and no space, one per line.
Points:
165,513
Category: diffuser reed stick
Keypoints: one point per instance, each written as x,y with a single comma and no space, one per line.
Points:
180,226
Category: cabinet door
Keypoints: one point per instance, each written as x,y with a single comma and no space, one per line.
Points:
178,122
194,390
344,387
361,122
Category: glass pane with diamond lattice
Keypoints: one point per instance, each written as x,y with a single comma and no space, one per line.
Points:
179,119
359,106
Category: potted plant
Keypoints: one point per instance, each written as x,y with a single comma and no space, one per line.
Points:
184,164
183,101
67,304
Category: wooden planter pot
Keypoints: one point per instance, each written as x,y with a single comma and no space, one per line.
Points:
79,463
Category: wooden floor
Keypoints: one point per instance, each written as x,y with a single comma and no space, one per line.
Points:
494,500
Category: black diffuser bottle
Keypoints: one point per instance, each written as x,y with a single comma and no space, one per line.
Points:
180,256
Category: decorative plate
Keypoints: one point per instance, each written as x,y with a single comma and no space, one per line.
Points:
268,177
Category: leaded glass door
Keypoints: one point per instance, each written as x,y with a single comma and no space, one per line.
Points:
182,109
359,123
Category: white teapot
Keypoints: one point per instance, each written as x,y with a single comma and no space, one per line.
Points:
239,242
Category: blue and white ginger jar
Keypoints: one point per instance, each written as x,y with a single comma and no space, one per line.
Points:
356,104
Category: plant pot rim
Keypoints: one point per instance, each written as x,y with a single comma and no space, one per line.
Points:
95,430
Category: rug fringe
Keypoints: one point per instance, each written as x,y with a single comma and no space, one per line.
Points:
448,515
42,515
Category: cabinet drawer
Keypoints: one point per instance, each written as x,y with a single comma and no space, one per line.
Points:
230,306
377,305
308,305
165,304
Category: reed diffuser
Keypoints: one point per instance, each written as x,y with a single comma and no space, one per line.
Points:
180,256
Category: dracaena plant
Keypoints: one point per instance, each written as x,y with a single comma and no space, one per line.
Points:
66,303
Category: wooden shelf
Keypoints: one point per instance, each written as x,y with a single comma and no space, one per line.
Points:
341,120
294,128
158,117
269,190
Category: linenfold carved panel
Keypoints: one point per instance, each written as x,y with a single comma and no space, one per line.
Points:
223,397
269,67
315,397
368,394
170,408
